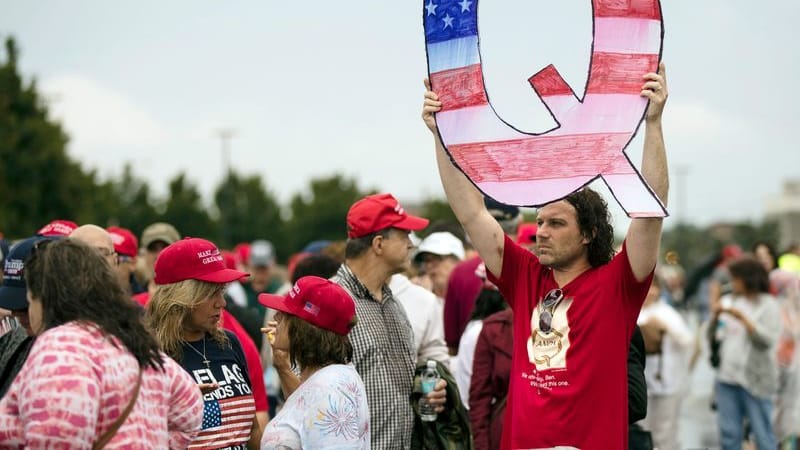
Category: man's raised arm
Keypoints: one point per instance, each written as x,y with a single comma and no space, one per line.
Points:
465,200
644,235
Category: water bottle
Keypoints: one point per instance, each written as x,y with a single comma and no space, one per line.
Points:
428,380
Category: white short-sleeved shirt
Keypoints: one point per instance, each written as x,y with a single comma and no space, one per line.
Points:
328,410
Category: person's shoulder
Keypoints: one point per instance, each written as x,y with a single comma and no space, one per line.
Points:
341,375
234,340
72,332
769,301
415,292
500,317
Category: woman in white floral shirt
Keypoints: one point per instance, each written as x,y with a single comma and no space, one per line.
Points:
327,406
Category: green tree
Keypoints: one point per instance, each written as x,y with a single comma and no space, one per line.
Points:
185,210
321,213
247,211
438,211
38,180
134,206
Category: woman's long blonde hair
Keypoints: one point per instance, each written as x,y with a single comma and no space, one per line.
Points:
169,309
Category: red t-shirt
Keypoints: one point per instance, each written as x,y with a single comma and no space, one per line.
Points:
255,370
569,386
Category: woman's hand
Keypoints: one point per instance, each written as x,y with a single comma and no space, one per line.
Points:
280,358
207,388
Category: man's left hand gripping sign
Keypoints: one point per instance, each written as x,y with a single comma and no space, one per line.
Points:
529,169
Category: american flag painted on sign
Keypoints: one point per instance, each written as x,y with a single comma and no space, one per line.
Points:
529,169
226,423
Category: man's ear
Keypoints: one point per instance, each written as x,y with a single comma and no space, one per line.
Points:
587,239
377,244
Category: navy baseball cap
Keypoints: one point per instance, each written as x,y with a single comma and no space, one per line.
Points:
13,292
500,211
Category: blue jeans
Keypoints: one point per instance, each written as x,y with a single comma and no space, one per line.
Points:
734,403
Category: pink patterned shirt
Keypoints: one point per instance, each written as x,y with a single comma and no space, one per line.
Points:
76,383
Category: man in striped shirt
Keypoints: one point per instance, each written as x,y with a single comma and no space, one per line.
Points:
378,246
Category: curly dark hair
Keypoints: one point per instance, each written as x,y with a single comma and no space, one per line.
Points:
752,273
594,221
75,283
311,346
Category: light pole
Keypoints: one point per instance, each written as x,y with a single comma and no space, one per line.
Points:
225,135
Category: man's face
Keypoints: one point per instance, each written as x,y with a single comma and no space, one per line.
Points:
396,248
151,253
259,274
439,268
126,265
559,241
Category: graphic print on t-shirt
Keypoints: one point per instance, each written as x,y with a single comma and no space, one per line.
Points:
228,410
548,349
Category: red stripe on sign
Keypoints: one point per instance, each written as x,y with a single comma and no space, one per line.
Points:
549,82
643,9
459,88
619,73
539,158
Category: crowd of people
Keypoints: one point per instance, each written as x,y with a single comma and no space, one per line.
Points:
544,335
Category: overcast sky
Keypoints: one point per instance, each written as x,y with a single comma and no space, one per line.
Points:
314,88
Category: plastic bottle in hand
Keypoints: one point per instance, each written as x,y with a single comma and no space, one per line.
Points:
428,380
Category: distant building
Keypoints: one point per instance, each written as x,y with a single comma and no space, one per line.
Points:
785,210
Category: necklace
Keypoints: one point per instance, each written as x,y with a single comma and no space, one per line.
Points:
205,360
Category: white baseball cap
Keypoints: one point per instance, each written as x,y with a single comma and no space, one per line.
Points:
441,243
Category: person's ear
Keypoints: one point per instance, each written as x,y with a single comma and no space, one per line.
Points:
587,239
377,244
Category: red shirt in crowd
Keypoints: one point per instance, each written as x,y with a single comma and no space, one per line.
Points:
568,385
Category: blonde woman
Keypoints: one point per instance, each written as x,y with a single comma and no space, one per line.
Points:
184,314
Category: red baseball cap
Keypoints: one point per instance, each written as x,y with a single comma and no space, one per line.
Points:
242,252
526,233
125,242
195,259
229,258
376,212
318,301
58,227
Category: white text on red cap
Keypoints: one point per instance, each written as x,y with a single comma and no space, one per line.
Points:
210,256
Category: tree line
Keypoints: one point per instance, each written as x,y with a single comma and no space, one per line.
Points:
39,182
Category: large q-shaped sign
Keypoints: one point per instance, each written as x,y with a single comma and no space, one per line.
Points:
530,169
